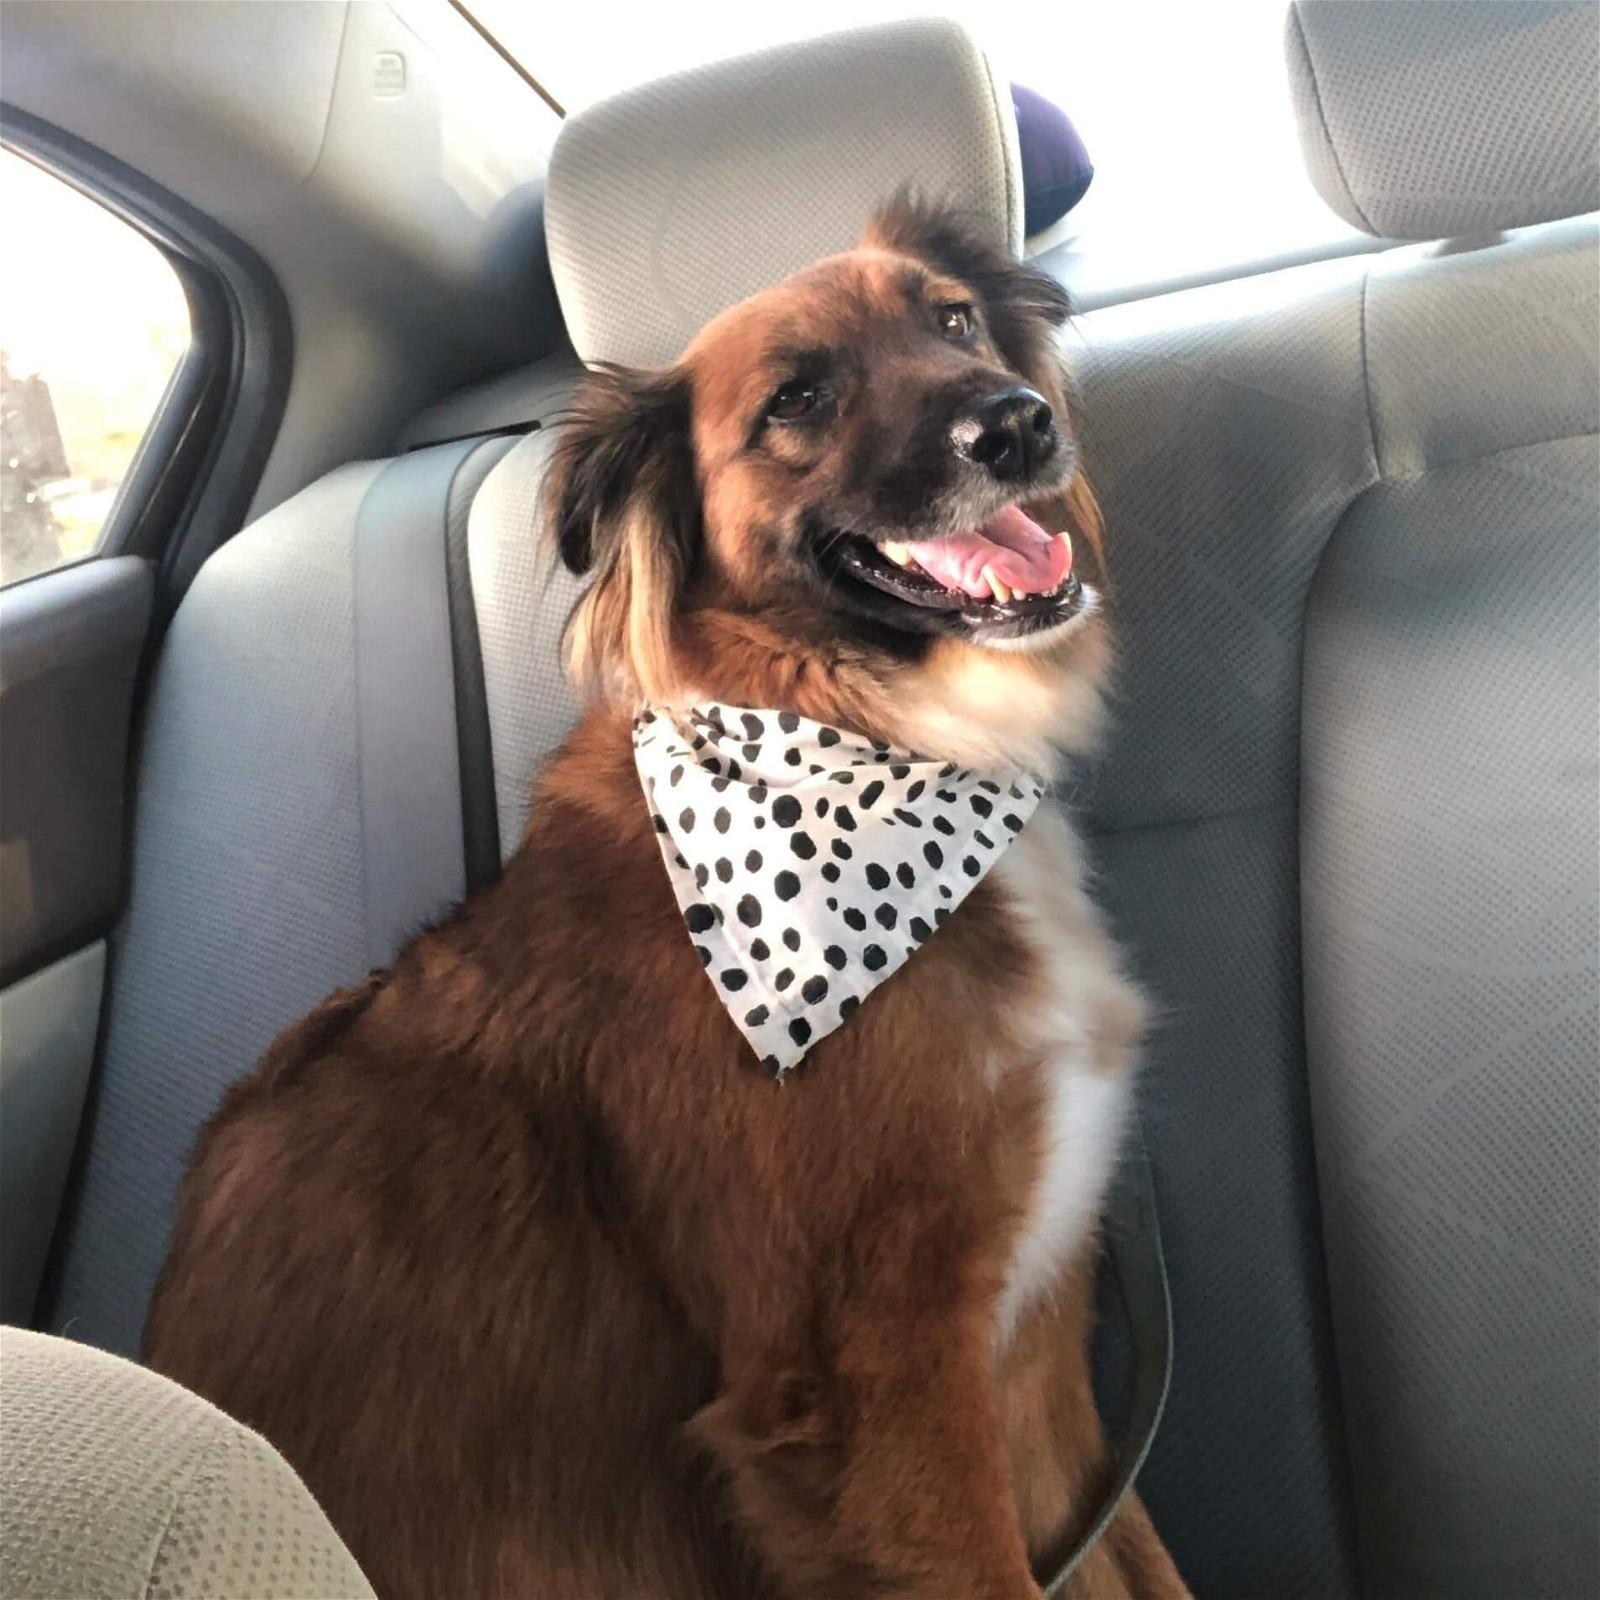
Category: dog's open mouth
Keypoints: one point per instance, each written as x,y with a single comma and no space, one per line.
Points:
1008,576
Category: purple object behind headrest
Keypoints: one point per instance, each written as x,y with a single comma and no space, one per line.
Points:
1056,169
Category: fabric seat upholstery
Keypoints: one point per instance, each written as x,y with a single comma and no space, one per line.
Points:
252,892
1272,463
121,1485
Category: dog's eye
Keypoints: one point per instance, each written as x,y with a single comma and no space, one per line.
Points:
954,322
792,401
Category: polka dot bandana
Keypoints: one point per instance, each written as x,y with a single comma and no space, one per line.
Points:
810,862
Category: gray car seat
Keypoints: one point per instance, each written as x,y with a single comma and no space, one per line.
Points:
1345,824
119,1483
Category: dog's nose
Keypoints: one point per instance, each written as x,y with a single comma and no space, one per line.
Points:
1012,433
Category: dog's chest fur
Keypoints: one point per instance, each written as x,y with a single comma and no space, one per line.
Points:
1086,1023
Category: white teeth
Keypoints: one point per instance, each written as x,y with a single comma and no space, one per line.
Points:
1066,539
1000,591
896,552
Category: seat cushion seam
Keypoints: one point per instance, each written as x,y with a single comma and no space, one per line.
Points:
179,1495
1429,467
1366,377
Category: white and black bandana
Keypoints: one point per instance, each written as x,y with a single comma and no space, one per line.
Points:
810,862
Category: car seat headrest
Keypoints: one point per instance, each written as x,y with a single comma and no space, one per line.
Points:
1450,117
674,200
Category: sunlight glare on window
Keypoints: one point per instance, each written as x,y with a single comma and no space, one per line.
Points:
93,323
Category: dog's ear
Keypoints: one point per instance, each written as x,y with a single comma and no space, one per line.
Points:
1023,306
622,502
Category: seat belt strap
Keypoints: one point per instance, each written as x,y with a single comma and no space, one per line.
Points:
1133,1241
411,764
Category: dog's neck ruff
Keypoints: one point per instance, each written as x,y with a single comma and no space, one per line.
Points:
811,862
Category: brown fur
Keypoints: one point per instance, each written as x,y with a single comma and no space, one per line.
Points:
512,1251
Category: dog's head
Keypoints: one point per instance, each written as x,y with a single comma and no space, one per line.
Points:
856,495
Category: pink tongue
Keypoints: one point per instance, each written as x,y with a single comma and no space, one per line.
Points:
1025,558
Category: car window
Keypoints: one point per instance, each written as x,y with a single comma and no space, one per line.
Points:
93,324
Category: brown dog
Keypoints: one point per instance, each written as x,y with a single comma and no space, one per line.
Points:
513,1250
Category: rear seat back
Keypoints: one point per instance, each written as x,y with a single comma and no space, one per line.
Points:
1310,479
1346,826
259,880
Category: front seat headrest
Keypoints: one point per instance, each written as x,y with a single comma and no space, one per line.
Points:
1434,119
674,200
